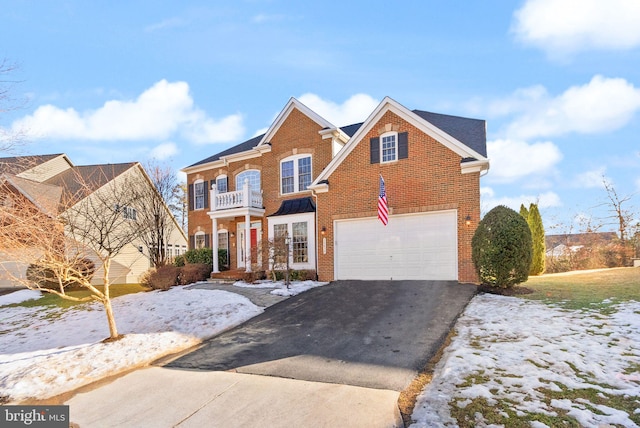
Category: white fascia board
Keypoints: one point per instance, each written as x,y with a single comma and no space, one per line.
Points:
288,108
224,161
474,166
203,167
319,188
334,133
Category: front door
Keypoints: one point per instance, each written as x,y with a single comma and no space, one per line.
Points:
253,255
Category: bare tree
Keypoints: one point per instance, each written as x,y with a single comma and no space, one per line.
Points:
179,205
10,140
97,221
620,215
159,224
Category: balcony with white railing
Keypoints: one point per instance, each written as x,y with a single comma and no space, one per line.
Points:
244,198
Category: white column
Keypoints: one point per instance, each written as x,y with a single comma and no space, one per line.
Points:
247,242
212,196
246,194
214,245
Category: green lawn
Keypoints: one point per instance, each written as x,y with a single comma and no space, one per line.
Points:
588,289
49,299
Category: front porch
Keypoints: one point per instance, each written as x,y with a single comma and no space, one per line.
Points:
241,212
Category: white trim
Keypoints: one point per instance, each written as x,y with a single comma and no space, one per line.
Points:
395,148
388,104
204,190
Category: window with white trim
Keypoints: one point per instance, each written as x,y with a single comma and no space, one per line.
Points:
223,244
300,242
221,184
295,174
389,147
199,240
253,175
198,191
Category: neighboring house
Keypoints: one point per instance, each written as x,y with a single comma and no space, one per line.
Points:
48,180
319,185
566,244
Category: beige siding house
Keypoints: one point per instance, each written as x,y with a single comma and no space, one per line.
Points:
46,180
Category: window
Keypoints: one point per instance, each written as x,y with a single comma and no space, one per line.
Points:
300,243
389,147
223,244
295,174
200,240
221,184
279,230
198,190
128,213
253,176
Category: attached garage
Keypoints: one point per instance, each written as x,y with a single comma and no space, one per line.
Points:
421,246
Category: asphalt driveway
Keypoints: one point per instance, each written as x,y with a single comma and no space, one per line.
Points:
374,334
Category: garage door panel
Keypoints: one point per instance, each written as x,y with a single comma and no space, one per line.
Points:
416,246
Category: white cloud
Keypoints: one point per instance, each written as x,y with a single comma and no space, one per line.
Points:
356,109
562,27
590,179
603,104
174,22
544,200
163,110
513,159
164,151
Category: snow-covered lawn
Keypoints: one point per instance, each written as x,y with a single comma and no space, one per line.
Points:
514,358
45,351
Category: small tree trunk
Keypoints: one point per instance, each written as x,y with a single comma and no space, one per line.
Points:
113,330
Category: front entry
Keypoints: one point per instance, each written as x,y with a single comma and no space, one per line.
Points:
253,255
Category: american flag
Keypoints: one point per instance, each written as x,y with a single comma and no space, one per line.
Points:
383,208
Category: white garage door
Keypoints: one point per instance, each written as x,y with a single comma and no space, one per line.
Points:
414,246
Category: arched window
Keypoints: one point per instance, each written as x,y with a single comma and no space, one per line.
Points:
253,175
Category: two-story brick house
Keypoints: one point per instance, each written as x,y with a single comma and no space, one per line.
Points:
319,185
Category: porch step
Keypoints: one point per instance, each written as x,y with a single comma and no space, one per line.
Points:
227,276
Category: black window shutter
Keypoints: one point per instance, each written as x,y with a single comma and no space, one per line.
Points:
190,195
403,145
207,241
206,194
192,242
375,149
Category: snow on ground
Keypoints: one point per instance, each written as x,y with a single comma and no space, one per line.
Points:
513,348
47,351
281,289
19,297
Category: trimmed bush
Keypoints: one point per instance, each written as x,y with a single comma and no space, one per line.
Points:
193,272
161,278
179,260
502,248
199,255
45,277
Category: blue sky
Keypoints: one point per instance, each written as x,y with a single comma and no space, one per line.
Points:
558,82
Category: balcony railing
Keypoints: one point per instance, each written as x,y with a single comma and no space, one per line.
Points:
238,199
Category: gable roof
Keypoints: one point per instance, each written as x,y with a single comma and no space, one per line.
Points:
74,180
45,197
286,111
17,164
472,129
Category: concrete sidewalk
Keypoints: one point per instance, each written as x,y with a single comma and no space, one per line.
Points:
163,397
